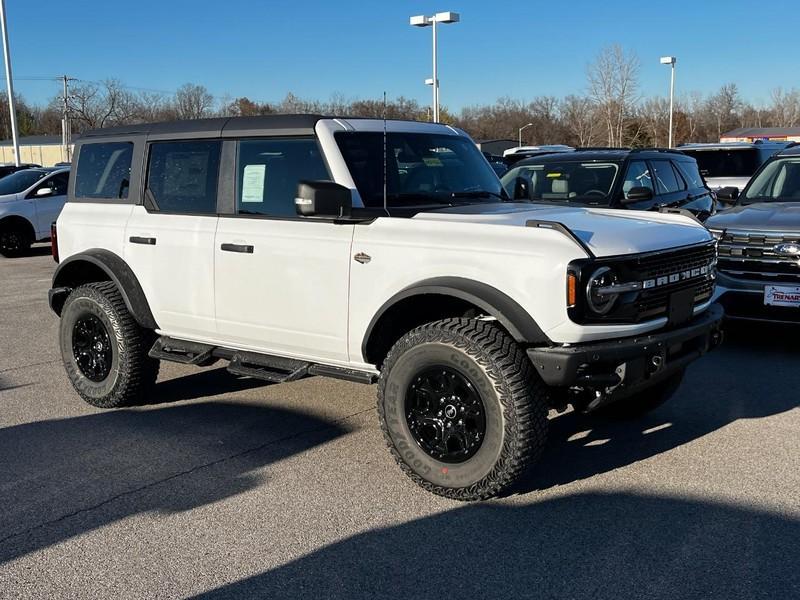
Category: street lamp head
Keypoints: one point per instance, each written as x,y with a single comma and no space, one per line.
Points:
420,21
668,60
447,17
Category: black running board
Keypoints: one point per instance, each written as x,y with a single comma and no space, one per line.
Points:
274,369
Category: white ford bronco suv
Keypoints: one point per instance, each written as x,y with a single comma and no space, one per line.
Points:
372,250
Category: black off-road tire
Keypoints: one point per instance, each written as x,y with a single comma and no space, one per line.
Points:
645,401
14,241
132,372
514,398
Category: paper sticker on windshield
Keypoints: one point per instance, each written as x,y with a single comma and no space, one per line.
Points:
253,183
432,161
554,175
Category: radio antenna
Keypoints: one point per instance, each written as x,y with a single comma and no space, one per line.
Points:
385,203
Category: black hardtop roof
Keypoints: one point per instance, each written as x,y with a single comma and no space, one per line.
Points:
587,154
213,126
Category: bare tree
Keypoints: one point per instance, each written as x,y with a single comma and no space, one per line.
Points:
578,115
94,105
723,107
613,85
193,101
654,115
785,107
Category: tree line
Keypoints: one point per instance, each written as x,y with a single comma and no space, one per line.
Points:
611,112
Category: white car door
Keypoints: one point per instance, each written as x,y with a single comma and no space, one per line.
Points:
169,241
48,198
281,281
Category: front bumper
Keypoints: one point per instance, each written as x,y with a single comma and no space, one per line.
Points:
743,299
629,364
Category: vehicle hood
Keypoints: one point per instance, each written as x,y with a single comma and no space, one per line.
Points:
716,183
607,232
762,216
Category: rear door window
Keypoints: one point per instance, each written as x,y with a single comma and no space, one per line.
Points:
182,176
104,170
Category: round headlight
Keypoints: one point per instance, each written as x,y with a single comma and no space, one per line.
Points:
601,303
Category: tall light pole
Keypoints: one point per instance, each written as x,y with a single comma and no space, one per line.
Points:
520,131
670,60
9,83
425,21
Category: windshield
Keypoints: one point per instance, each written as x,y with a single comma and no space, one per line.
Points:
568,181
421,168
726,163
19,181
778,182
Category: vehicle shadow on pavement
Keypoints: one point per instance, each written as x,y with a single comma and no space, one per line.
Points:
713,394
62,478
589,545
200,384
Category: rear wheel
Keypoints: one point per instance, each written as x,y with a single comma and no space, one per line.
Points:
103,348
14,240
461,408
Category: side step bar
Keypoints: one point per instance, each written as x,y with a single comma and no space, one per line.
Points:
274,369
268,368
187,353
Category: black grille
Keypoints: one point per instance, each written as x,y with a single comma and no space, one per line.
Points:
752,256
653,302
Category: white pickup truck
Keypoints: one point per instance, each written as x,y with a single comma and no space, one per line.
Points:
372,250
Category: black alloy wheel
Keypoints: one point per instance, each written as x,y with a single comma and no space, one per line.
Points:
91,347
445,414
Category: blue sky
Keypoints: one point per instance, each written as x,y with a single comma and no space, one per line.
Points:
316,48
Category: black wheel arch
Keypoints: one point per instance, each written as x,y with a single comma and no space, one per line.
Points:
458,293
98,264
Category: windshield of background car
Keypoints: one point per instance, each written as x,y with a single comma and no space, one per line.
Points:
726,163
19,181
577,182
778,182
421,168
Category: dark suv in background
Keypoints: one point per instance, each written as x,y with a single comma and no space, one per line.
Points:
650,179
731,164
758,274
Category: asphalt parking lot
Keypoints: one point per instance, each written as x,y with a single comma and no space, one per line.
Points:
224,487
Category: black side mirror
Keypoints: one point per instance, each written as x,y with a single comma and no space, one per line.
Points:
521,189
323,199
728,194
637,194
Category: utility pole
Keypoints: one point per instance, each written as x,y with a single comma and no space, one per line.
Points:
66,128
9,83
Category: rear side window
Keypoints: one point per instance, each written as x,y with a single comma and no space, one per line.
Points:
666,180
182,176
726,163
104,170
268,172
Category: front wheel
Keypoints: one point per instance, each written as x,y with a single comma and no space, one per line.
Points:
461,408
103,348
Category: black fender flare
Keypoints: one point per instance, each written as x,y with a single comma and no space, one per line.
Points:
69,273
515,319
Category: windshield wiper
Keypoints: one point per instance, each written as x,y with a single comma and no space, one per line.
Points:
480,194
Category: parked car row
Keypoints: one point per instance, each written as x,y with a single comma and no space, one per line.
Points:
30,201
